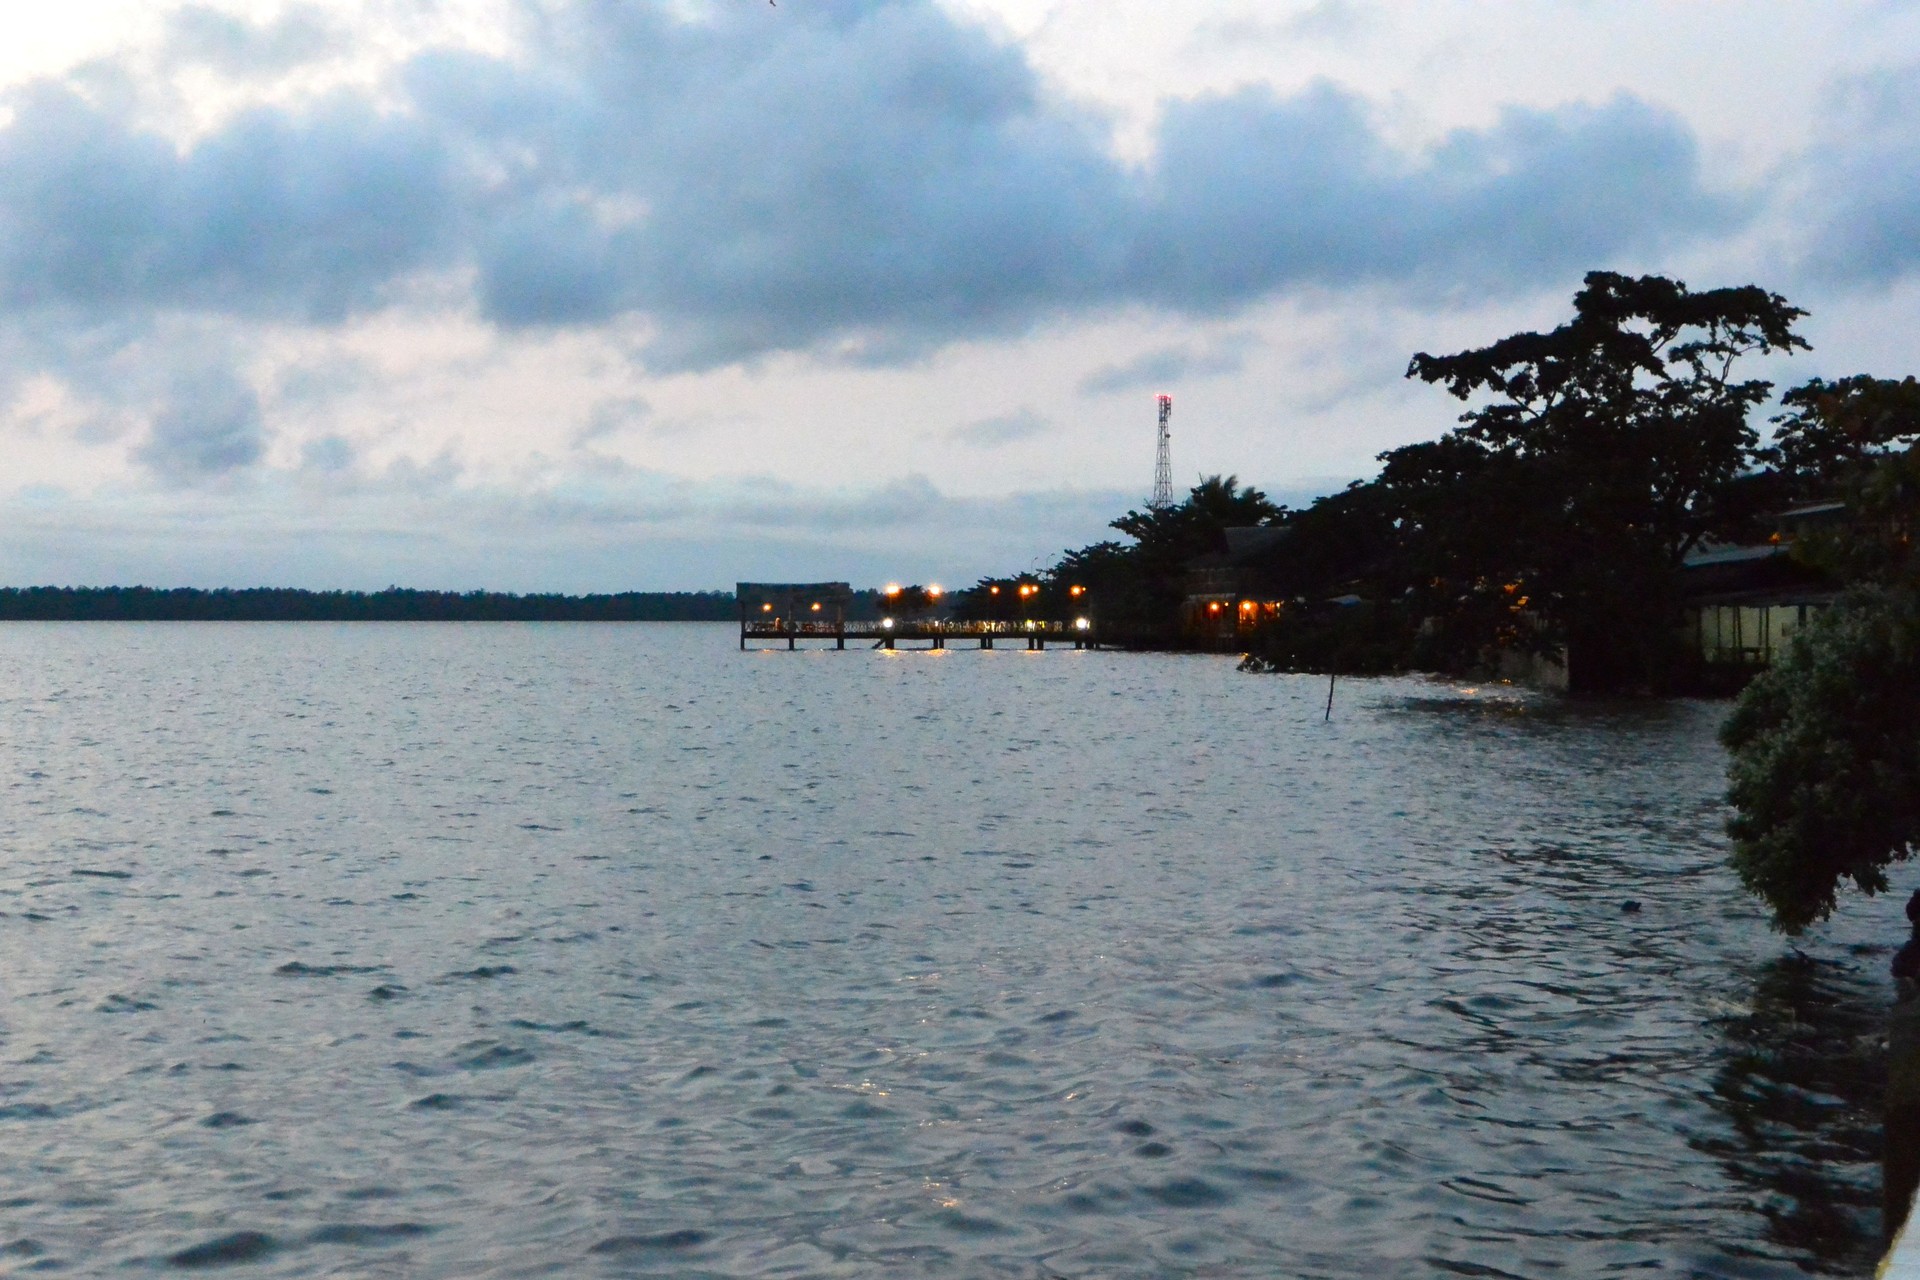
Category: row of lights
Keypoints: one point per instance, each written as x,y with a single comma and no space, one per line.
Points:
1079,624
1033,589
934,591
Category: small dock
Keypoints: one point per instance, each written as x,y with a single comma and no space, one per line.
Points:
773,614
896,633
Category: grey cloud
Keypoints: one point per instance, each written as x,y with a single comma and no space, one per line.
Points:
904,503
202,34
1866,182
310,215
1326,20
327,453
646,533
1329,19
1166,365
611,417
1002,429
867,179
1256,194
209,426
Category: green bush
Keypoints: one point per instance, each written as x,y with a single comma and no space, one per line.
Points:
1825,776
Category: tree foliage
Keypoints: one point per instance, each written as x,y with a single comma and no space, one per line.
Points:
1135,587
1600,453
1825,775
1835,431
1591,460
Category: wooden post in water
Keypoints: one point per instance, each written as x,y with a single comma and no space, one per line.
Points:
1331,677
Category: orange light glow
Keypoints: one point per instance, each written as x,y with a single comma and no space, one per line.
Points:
816,606
933,590
766,608
893,588
1214,607
994,591
1074,591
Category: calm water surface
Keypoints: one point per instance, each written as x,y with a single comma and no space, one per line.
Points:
501,950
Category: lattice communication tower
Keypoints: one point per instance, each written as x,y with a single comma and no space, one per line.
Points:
1163,462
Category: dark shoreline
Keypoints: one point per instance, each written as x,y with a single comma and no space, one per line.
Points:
395,604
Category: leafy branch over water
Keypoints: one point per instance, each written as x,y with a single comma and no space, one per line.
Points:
1825,776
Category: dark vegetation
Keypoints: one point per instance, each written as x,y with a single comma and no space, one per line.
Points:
1556,518
395,604
1590,461
1136,587
1825,777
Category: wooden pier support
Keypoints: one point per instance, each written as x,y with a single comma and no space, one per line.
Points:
774,630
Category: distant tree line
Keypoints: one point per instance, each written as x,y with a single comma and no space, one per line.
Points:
395,604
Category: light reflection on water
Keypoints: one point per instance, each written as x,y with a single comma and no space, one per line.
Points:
524,950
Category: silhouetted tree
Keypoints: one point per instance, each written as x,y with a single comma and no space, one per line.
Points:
1605,451
1832,432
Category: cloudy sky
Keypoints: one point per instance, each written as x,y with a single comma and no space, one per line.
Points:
629,294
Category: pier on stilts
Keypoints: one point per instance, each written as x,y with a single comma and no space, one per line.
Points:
776,614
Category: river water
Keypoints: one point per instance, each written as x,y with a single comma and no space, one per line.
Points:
498,950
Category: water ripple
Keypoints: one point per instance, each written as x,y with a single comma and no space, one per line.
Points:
462,951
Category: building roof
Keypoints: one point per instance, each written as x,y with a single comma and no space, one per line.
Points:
1752,575
1702,557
